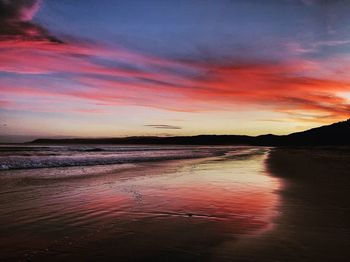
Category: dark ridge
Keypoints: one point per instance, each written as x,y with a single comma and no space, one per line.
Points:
334,134
153,140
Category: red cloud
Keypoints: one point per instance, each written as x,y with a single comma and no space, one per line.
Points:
288,86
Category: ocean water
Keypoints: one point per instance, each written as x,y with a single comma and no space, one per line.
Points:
33,156
132,203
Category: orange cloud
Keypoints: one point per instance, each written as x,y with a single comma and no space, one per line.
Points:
129,78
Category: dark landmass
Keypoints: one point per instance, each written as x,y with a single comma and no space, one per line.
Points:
335,134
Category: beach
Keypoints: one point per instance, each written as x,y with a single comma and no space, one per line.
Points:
314,214
315,220
174,131
162,210
230,204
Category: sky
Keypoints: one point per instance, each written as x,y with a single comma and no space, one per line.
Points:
111,68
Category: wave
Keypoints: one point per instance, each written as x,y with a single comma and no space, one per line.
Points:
47,157
68,157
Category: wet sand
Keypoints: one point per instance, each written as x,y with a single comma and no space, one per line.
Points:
315,216
314,212
188,210
286,205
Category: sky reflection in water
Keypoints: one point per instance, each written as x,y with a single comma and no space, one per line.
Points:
155,210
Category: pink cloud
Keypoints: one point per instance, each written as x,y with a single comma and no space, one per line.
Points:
27,12
287,86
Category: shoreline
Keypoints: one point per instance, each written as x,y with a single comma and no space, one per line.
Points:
313,222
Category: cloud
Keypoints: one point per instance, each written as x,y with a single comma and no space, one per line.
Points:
16,21
21,10
69,72
36,66
319,2
164,126
332,43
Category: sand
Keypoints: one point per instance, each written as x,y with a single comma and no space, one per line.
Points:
162,211
288,205
315,211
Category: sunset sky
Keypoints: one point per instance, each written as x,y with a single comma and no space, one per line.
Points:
89,68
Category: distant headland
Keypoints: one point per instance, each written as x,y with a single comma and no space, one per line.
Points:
335,134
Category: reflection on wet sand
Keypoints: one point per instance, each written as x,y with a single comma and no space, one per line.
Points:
175,210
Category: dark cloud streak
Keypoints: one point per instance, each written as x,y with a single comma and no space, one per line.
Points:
164,126
16,24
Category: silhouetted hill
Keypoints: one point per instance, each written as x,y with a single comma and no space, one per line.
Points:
153,140
335,134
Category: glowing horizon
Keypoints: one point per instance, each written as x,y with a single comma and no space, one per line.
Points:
158,68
